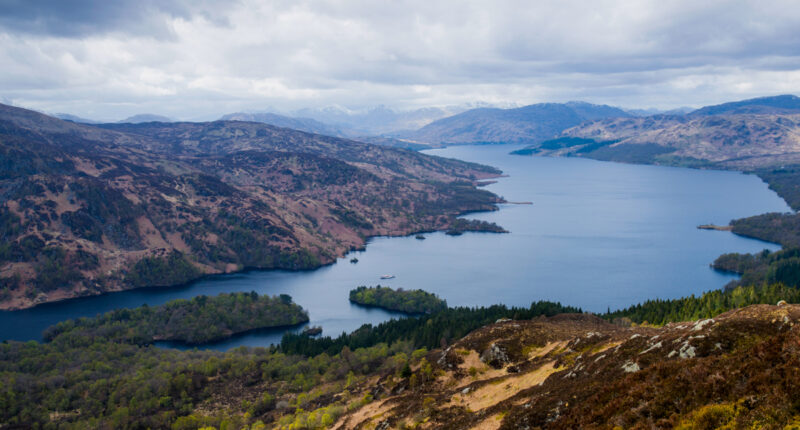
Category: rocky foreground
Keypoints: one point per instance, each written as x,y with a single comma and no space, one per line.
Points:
739,370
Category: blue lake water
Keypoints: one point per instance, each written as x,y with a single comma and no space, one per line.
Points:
598,235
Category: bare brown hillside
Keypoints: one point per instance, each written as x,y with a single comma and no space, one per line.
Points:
86,209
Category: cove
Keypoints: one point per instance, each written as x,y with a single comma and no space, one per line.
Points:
598,235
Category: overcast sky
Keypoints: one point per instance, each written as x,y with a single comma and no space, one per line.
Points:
191,59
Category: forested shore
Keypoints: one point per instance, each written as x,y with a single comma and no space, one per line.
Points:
408,301
201,319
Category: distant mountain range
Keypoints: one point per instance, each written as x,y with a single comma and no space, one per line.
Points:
313,126
651,112
753,132
784,104
528,124
747,134
75,118
379,120
146,117
135,119
303,124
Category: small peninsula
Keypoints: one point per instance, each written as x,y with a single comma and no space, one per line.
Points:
202,319
715,227
460,225
408,301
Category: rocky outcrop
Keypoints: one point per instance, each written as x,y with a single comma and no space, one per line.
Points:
494,356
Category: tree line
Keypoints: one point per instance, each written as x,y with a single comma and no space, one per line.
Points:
429,331
707,305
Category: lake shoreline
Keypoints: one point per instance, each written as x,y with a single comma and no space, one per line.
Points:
179,344
409,314
577,236
245,270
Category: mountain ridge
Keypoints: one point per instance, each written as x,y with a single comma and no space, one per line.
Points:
91,209
782,104
378,120
146,117
297,123
744,135
527,124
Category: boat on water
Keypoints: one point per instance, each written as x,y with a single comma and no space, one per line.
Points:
387,276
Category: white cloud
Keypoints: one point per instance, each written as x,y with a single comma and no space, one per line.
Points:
199,60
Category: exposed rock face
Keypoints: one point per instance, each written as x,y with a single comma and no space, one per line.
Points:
630,367
494,356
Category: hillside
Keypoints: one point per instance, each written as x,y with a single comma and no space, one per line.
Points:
745,141
528,124
75,118
379,120
784,104
740,369
390,141
303,124
760,136
145,117
313,126
86,209
745,135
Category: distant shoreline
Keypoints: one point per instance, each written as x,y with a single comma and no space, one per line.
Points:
715,227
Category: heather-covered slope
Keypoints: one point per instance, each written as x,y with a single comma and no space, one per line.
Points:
87,210
740,369
225,137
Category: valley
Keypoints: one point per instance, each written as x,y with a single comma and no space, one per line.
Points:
635,225
421,215
119,206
